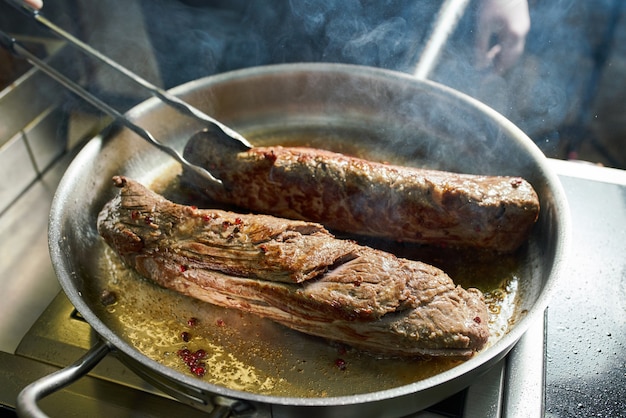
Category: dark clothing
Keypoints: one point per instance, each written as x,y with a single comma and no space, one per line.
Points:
195,38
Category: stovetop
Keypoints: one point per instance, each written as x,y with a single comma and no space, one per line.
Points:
576,363
586,331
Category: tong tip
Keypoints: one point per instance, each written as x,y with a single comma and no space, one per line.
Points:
205,174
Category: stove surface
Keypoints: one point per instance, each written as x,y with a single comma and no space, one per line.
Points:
586,319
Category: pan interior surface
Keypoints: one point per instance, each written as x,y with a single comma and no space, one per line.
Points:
378,115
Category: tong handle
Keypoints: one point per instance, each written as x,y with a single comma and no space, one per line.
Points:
180,105
15,47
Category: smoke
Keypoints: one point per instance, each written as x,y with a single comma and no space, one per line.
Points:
544,91
552,86
227,36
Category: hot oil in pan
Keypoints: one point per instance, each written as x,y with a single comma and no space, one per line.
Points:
245,352
252,354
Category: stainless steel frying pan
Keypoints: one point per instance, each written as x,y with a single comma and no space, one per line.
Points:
384,113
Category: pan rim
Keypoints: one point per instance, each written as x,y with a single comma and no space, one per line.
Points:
489,356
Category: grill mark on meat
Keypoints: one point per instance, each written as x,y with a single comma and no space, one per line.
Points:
295,273
368,198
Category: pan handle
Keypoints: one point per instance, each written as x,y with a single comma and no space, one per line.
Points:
28,397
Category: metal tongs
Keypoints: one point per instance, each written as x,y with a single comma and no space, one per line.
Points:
183,107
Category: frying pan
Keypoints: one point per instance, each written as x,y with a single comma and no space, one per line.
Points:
389,114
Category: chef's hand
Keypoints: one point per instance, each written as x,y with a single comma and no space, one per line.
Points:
501,28
35,4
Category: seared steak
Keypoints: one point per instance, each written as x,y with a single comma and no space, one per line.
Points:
362,197
296,273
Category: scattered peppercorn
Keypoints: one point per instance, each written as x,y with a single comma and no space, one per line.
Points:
341,364
193,360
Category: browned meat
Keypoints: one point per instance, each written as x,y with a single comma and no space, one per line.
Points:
368,198
295,273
